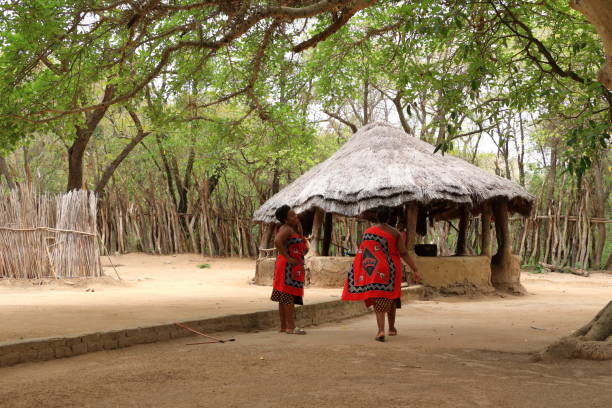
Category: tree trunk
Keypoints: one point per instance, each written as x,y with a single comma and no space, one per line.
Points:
548,202
76,151
521,153
397,101
366,89
593,341
4,171
26,166
599,13
167,171
276,177
609,262
598,204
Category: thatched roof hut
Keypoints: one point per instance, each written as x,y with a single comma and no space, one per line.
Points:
382,165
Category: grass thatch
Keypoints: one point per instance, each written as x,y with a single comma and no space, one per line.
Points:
382,165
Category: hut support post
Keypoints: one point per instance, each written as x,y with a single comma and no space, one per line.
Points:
327,233
505,268
500,212
412,212
316,230
462,236
485,242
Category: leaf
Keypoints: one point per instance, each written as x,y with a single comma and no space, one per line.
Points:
474,84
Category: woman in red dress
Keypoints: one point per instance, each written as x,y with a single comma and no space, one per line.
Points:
289,272
376,274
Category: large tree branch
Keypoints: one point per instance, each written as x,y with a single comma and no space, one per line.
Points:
473,132
241,18
112,166
342,120
338,22
599,11
531,38
257,61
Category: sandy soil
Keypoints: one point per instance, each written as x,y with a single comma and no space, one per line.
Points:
450,352
153,289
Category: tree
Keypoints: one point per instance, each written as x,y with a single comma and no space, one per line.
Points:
70,61
592,341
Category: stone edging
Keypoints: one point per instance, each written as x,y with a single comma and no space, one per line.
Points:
16,352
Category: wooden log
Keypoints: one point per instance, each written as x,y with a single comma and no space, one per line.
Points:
327,233
412,212
485,238
462,233
565,269
500,212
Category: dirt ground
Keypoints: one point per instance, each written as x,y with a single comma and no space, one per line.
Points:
153,289
450,352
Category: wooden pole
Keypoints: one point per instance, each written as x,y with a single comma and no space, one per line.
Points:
412,211
500,212
486,231
327,233
462,235
316,230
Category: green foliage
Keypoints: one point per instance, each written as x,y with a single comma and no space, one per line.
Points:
583,143
455,67
534,268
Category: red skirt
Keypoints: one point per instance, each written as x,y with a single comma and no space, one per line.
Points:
290,278
376,271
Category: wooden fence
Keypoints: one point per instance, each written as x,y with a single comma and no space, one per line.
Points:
45,236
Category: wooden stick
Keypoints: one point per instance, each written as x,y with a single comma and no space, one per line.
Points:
202,334
566,269
56,230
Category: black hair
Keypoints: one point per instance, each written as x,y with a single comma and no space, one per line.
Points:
282,212
383,214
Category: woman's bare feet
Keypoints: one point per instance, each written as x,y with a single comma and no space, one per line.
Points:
393,332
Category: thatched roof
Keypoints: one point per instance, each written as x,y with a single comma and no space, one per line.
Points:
382,165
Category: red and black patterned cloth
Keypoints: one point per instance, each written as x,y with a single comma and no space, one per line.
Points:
289,278
376,270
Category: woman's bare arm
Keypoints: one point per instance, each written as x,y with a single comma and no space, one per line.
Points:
405,255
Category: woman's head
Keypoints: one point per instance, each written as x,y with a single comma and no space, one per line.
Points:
383,214
285,215
281,213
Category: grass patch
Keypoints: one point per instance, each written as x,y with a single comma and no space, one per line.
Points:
204,266
535,269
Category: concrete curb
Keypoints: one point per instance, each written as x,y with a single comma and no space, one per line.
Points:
31,350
